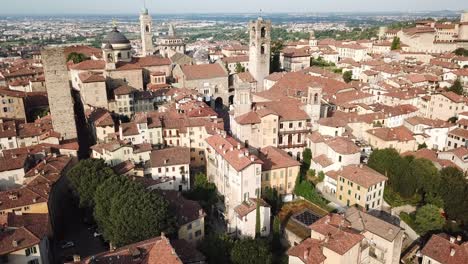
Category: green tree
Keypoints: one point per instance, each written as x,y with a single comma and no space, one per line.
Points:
429,218
457,87
273,198
396,45
307,190
257,221
217,248
321,176
426,175
276,243
86,176
276,47
250,251
461,52
453,189
239,68
306,159
347,76
128,213
422,146
76,57
204,192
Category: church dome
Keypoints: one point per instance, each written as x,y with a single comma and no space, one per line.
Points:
115,37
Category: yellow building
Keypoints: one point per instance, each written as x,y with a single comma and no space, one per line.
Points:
190,217
279,170
360,185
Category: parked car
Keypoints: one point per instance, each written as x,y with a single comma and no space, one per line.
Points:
67,244
97,234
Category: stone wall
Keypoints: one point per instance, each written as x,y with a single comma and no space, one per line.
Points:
59,92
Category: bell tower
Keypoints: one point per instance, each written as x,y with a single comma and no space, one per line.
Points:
259,50
146,28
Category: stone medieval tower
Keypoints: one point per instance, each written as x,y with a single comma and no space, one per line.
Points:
259,50
59,92
146,28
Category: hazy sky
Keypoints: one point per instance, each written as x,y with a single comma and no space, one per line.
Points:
221,6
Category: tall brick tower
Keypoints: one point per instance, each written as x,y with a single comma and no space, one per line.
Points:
146,28
59,92
260,48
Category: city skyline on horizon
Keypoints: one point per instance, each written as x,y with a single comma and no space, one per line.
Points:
55,7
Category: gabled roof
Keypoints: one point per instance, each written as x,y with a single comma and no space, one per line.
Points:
204,71
361,175
439,248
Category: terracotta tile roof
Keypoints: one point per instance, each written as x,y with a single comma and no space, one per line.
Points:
332,122
361,175
38,224
231,150
275,158
310,251
455,97
187,252
170,157
124,90
323,161
248,118
90,77
158,250
343,146
123,167
338,239
276,76
110,146
434,123
460,152
101,118
439,249
246,77
12,93
10,162
204,71
362,221
235,59
89,65
400,133
422,154
129,129
22,236
460,132
287,111
247,207
186,211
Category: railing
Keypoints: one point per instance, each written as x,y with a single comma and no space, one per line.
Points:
292,146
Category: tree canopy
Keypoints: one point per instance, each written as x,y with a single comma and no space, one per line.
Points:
76,57
203,191
347,76
250,251
457,87
124,210
396,44
86,176
428,218
461,52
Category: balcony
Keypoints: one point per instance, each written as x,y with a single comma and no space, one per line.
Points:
301,145
283,132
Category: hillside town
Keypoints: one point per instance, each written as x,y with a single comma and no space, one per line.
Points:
314,150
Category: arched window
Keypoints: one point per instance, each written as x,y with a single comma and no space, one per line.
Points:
316,98
119,55
147,28
263,32
262,49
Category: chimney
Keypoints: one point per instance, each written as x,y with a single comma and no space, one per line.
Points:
452,240
452,252
238,146
200,212
306,253
14,243
252,158
459,238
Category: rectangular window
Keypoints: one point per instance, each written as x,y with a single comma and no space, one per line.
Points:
189,226
198,233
